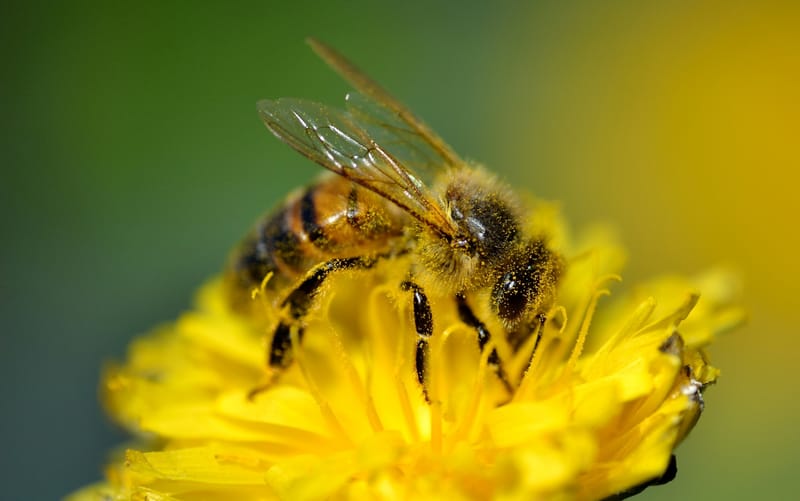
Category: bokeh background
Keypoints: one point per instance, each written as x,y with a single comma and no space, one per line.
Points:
132,159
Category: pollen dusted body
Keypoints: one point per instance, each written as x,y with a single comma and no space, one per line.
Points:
463,237
332,218
393,400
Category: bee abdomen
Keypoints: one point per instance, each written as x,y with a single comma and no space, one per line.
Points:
272,248
331,219
327,217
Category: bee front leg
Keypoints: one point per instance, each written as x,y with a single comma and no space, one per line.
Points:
468,317
423,324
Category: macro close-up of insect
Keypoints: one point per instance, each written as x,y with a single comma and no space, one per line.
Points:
397,193
270,251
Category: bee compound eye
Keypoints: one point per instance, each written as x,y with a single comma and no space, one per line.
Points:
509,298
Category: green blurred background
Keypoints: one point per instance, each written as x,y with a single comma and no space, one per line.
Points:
133,159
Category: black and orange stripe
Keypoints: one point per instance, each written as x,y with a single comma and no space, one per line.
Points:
332,219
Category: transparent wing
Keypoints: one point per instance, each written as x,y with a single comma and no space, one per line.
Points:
407,144
336,140
385,115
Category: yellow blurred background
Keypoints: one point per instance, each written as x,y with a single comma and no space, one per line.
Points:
132,160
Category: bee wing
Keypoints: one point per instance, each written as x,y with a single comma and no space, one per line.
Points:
405,143
337,141
393,119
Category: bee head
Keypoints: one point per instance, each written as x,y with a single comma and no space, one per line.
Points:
527,284
486,218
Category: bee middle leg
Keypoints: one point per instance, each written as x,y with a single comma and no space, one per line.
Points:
423,324
467,316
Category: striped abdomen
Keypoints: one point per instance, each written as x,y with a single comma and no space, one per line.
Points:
330,219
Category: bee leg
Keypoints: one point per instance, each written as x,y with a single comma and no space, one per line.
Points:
279,356
468,317
542,319
423,324
296,306
536,326
301,299
280,350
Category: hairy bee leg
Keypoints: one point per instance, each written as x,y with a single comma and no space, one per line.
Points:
423,324
468,317
298,303
280,348
279,356
541,320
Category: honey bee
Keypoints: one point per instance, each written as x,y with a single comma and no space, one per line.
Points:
399,190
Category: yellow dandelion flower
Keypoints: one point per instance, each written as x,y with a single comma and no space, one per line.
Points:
576,396
601,397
